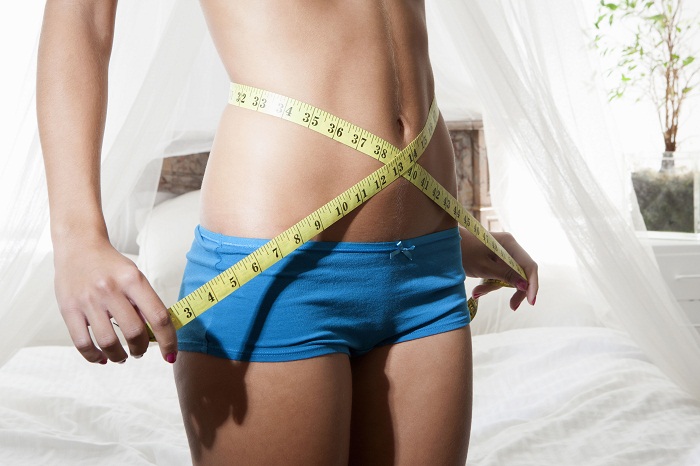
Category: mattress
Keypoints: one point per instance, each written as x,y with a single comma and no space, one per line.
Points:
577,396
542,396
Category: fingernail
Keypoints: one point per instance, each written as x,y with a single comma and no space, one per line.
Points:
516,307
171,357
137,356
521,284
104,361
476,295
534,300
122,361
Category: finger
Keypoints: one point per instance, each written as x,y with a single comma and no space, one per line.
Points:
499,270
515,280
520,256
534,287
80,335
485,287
130,324
156,314
106,337
517,299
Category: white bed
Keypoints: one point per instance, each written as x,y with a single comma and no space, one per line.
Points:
543,396
559,390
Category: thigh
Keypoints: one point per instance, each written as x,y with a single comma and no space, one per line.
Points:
295,412
412,402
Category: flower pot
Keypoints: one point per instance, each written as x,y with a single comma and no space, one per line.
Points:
668,197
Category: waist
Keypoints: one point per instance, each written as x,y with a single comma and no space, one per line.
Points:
264,174
225,244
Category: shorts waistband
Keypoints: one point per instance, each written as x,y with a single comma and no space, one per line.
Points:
221,242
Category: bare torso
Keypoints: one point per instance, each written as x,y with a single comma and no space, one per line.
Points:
365,61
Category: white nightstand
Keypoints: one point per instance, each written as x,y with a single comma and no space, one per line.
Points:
678,255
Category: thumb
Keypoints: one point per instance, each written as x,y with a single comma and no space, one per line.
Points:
488,285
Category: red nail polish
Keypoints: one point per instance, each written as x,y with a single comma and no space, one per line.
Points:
171,357
534,300
521,285
476,295
104,361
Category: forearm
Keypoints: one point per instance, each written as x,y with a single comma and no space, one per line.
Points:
72,68
471,246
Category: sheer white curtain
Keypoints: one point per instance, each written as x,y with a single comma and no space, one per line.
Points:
156,47
554,166
549,140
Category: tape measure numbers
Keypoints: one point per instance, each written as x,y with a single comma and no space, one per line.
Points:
397,163
363,141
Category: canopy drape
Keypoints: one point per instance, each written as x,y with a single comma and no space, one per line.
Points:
557,176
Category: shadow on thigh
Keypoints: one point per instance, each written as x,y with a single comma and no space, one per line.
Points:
295,412
412,402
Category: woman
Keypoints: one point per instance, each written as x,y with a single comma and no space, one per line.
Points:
355,348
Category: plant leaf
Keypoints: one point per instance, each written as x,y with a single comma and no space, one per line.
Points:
597,21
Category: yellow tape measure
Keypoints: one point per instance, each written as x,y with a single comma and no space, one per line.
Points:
397,163
363,141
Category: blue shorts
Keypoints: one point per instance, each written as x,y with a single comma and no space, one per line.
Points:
326,297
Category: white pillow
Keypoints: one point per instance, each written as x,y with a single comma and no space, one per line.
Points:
561,302
164,241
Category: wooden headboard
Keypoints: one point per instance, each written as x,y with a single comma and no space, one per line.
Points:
184,173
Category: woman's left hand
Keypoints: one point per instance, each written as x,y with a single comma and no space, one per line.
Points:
479,261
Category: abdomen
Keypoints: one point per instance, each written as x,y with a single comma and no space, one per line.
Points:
365,62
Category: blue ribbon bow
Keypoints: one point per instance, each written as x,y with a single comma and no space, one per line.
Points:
401,248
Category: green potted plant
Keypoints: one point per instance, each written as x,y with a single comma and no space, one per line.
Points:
655,61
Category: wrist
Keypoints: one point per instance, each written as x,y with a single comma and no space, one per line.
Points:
78,232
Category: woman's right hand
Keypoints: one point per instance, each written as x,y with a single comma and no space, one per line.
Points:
94,282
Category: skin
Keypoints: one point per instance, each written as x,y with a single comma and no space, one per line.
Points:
365,61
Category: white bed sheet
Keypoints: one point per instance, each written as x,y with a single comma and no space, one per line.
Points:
543,396
57,409
577,396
